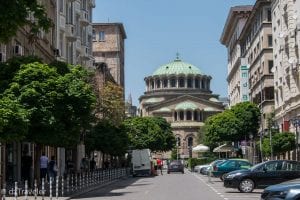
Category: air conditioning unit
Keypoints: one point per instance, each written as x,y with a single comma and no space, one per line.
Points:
18,50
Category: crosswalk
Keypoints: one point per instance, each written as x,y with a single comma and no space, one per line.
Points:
216,185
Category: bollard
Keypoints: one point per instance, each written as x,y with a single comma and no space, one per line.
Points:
72,188
43,188
80,183
3,191
62,186
68,182
76,182
209,176
35,189
50,188
16,190
26,190
56,181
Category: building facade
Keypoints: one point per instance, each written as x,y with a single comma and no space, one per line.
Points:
286,40
180,93
237,66
109,48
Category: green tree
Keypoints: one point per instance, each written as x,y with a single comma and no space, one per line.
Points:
248,114
150,132
111,103
281,143
14,14
59,106
13,120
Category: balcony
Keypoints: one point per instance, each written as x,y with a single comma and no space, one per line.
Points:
78,44
70,32
84,18
85,53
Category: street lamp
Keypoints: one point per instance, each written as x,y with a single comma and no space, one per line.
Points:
296,124
273,127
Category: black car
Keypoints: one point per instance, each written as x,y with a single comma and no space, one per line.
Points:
175,166
289,190
262,175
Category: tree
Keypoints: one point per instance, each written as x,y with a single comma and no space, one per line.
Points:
13,120
15,14
150,132
221,127
281,143
59,106
248,114
111,103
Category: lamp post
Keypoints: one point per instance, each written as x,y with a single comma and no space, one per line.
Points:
296,124
273,127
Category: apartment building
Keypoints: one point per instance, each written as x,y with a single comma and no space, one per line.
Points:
109,48
286,39
256,47
237,66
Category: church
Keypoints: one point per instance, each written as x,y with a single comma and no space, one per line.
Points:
180,93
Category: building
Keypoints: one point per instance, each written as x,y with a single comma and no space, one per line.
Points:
237,66
130,110
109,48
286,40
181,93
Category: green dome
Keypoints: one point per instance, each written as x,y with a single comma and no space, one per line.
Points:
177,67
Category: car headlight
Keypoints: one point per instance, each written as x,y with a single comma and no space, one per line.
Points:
279,194
233,175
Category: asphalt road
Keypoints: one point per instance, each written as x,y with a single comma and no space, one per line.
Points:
175,186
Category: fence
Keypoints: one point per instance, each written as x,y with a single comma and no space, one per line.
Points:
62,186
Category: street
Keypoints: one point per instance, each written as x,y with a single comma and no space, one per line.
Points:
175,186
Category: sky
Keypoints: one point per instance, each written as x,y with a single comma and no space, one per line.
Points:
157,29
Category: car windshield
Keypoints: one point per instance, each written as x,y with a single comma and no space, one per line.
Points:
175,162
216,162
257,166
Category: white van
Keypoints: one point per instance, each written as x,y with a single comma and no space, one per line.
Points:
141,162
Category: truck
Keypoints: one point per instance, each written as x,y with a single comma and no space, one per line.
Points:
141,162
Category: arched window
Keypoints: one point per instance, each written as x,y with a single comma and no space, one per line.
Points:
157,83
178,141
181,115
175,116
165,83
152,84
173,82
190,141
196,83
196,115
188,115
189,83
181,82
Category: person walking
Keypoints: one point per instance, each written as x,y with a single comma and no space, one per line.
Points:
43,166
159,165
52,168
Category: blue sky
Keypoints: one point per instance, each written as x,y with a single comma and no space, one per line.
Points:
157,29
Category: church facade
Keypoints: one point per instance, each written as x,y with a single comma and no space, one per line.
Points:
180,93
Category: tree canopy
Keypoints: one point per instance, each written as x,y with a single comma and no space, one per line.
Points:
15,14
150,132
59,106
281,143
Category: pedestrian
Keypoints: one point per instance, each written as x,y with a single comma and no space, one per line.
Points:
92,164
26,163
159,165
43,166
155,166
52,168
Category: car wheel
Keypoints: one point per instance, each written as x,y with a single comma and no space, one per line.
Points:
246,186
223,177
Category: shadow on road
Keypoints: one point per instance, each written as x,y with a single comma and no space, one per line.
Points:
113,189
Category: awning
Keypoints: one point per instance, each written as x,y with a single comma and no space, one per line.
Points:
200,148
223,148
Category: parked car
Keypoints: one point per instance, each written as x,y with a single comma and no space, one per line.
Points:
289,190
198,168
205,170
175,166
221,169
263,175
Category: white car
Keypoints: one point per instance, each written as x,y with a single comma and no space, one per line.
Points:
198,168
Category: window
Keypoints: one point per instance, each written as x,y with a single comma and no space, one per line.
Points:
196,83
188,115
178,141
61,6
181,115
157,83
101,36
270,41
175,116
94,35
173,82
190,141
181,82
245,97
196,116
152,84
189,83
270,65
269,15
165,83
